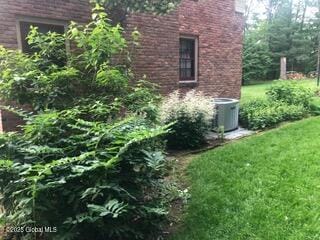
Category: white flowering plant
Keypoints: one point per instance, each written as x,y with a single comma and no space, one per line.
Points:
192,115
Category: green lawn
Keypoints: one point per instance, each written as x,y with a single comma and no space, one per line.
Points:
258,90
266,187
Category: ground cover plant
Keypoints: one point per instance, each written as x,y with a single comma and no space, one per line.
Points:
89,160
262,187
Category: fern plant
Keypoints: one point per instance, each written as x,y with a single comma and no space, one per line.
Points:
96,182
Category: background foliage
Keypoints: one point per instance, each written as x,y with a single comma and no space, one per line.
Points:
287,28
155,6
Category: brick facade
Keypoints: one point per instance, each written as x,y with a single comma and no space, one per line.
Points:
218,28
215,23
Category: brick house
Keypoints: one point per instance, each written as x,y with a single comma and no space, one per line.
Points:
198,45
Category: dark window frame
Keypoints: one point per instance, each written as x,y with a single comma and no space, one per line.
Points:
188,57
42,21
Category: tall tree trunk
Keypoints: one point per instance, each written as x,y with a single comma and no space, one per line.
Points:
304,14
269,11
247,14
299,6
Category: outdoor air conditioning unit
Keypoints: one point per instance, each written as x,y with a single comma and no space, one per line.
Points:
227,114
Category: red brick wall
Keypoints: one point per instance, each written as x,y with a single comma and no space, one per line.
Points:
158,54
9,121
219,30
216,24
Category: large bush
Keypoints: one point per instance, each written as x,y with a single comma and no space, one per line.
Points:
286,101
260,114
90,179
89,159
192,114
291,93
56,79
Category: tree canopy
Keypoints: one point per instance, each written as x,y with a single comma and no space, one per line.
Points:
280,28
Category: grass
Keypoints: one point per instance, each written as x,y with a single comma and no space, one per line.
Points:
251,92
266,187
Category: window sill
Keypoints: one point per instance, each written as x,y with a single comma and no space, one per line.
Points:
188,84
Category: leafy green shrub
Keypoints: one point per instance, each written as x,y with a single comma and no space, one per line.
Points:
315,106
89,161
252,114
292,112
51,78
291,93
54,79
90,179
192,114
260,114
144,99
156,6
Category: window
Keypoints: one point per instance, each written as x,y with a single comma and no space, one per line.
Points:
188,59
44,26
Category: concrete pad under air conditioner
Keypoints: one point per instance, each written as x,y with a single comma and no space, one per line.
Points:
237,134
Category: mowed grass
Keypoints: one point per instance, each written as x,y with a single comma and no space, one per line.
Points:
258,90
266,187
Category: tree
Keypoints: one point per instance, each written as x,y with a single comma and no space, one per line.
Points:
256,56
271,6
291,32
